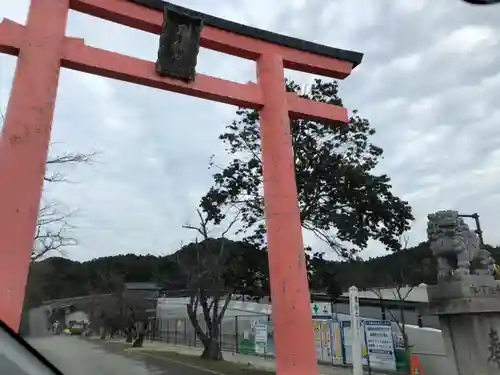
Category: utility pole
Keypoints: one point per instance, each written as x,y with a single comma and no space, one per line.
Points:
478,230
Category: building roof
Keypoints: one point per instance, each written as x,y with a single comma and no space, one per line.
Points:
253,32
146,286
406,293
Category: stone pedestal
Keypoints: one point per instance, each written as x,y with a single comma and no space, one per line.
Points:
469,315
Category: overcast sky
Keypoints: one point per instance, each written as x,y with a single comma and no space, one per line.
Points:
427,84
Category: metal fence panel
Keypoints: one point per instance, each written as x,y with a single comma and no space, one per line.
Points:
180,331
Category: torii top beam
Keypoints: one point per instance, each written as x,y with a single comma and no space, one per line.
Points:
219,35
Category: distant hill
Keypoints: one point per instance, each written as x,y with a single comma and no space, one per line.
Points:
58,277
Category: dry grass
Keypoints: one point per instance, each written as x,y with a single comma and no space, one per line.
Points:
224,367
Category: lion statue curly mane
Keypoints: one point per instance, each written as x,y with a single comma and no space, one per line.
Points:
451,240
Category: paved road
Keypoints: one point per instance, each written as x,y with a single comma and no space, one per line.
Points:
75,356
38,325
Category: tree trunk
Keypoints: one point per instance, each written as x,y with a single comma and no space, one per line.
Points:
141,334
139,341
130,335
104,330
403,329
212,350
405,337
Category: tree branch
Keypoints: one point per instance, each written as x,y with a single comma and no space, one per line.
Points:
67,158
51,231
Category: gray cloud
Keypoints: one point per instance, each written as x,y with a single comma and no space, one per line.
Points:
428,84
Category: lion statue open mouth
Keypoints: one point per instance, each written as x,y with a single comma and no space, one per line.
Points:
451,240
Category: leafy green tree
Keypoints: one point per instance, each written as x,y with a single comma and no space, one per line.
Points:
323,276
341,197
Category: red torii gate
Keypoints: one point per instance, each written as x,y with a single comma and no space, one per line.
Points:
43,48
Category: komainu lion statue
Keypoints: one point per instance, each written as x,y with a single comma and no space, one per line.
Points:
451,240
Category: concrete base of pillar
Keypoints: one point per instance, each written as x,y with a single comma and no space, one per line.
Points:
469,314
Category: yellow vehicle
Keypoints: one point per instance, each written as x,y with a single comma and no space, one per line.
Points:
496,269
77,328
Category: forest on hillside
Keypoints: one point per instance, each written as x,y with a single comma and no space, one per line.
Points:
58,277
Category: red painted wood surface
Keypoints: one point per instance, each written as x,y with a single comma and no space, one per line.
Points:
42,49
24,144
292,315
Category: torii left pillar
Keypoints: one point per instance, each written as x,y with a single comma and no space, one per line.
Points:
24,145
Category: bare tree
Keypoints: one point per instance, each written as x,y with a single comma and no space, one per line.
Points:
67,158
53,225
399,294
52,229
126,311
399,291
206,283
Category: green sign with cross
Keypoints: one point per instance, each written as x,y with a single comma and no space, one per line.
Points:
315,308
